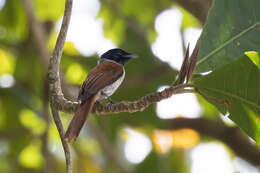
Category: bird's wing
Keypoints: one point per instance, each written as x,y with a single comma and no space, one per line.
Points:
99,77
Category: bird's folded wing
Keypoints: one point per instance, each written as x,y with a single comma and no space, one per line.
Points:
99,77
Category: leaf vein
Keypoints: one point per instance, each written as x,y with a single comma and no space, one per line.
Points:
235,97
227,42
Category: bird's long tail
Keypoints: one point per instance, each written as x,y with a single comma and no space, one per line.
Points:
79,118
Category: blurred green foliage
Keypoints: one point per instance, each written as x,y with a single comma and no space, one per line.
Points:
7,62
130,24
14,22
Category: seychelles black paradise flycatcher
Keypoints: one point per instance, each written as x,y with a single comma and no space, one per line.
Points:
102,81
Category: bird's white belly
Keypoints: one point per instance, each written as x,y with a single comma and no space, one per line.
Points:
110,89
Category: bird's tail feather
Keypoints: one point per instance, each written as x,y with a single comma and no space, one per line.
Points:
79,119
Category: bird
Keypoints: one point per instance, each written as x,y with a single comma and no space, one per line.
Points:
102,81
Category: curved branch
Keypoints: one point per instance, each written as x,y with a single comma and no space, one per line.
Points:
65,143
54,81
56,94
231,136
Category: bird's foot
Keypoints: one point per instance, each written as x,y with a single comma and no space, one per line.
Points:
111,103
97,103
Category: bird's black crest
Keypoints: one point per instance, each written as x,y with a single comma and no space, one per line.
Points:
118,55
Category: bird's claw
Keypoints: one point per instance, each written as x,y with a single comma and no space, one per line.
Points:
110,104
97,103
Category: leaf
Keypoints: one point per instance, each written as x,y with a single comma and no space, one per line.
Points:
145,166
238,85
254,57
232,28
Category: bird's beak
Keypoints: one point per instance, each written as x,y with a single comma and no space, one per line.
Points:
130,56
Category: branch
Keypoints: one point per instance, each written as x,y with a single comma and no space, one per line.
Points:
54,81
56,94
126,106
142,103
231,136
65,143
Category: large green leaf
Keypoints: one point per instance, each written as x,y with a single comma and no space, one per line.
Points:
254,57
237,86
232,28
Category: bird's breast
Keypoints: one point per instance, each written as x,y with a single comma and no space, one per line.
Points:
110,89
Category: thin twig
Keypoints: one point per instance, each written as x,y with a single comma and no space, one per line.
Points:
64,142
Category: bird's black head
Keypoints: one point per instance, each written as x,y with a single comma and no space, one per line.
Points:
117,55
